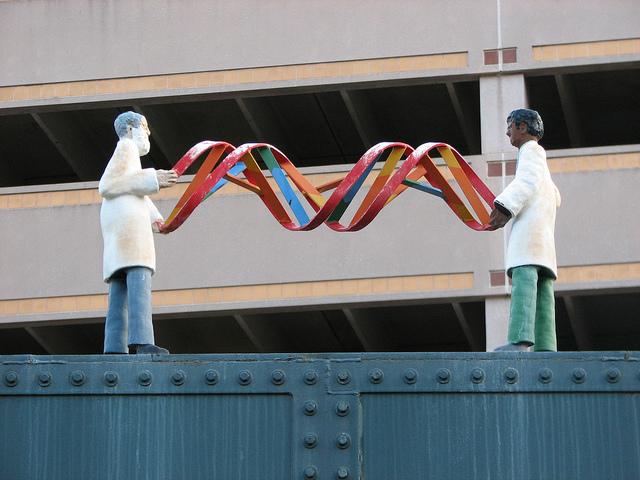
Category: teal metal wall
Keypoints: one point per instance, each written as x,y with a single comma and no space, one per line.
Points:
345,416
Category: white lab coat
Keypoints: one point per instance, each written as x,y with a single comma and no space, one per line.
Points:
127,213
532,198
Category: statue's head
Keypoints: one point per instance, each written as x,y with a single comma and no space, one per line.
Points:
134,126
530,118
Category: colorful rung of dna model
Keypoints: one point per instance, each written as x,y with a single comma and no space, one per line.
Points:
224,163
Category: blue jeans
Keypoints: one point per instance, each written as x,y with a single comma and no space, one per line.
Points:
129,314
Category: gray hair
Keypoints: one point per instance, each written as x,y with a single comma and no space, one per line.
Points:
530,118
125,119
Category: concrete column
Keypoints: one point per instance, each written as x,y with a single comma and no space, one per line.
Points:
499,95
496,321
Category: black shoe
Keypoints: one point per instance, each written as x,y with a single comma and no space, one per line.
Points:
149,348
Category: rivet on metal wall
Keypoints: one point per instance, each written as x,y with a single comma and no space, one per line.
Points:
410,376
545,375
278,377
579,375
211,377
110,379
145,378
342,408
310,408
376,376
11,379
443,375
477,375
344,377
310,440
44,379
511,375
178,378
77,378
614,375
343,440
310,473
245,377
342,473
310,377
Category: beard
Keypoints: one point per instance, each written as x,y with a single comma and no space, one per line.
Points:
141,140
143,147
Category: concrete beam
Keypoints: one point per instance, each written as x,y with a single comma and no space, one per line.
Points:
368,331
56,342
342,330
360,112
66,134
265,124
463,114
261,334
579,322
468,326
41,341
571,116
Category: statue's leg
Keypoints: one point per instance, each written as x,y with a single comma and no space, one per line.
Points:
115,327
545,317
523,304
139,292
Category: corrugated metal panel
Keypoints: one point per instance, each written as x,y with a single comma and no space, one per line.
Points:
153,436
502,436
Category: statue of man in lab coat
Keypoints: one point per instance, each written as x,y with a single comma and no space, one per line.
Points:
531,200
128,219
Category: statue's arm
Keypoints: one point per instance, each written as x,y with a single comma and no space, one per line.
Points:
140,183
155,216
529,176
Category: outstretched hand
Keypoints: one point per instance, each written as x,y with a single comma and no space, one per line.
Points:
156,226
166,178
497,219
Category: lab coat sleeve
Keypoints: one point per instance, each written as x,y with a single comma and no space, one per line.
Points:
140,183
154,213
529,176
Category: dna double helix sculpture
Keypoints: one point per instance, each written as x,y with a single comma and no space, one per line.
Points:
403,167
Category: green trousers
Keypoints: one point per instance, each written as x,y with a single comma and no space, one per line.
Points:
533,313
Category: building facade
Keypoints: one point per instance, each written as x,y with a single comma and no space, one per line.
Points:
323,81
